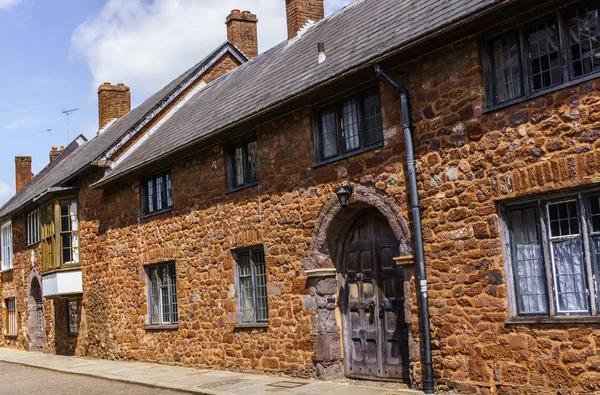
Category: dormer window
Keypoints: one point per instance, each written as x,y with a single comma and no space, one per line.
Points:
536,57
157,194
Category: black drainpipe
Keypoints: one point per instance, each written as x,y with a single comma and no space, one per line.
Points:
428,384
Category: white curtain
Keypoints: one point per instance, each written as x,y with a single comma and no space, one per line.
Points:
570,276
530,279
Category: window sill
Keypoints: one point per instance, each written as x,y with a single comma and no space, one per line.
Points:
537,94
7,270
251,325
155,213
158,328
552,320
28,246
347,155
242,187
12,337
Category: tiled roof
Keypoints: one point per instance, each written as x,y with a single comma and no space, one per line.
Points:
361,31
88,152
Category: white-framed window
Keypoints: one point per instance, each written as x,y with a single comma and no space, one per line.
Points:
7,247
553,256
162,294
69,232
33,227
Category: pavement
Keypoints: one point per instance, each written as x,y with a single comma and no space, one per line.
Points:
196,381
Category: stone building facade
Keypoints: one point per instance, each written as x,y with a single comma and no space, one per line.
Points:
478,163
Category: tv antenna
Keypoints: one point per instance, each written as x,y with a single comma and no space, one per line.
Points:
49,131
67,113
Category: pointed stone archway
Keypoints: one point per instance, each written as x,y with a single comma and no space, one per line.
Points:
329,296
35,313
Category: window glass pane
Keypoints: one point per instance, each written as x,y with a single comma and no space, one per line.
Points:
160,193
174,307
238,166
73,316
563,219
528,263
544,60
373,130
506,66
595,213
583,34
149,196
350,125
571,286
251,162
246,288
328,133
261,286
154,297
169,191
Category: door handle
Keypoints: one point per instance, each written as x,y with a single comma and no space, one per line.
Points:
371,308
381,310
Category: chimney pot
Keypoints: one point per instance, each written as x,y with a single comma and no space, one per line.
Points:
242,32
114,101
23,172
300,12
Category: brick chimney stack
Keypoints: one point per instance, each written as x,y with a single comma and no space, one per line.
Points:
114,101
23,172
242,32
55,151
300,12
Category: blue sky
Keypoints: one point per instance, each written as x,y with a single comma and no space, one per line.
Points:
54,55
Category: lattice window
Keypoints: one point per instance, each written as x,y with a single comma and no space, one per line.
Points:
553,273
352,124
162,294
252,285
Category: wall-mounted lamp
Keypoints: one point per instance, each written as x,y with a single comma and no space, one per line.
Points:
344,194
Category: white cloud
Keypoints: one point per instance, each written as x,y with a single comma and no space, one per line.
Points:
145,44
6,192
6,4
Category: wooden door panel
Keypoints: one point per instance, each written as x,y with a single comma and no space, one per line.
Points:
375,330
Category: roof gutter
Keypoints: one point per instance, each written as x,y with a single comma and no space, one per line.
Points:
370,63
53,190
428,384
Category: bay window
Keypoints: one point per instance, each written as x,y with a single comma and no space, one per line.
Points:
59,234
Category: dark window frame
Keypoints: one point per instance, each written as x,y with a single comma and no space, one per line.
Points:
590,258
231,163
258,317
527,89
172,295
359,95
166,199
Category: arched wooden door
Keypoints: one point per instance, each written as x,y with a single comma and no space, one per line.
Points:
375,333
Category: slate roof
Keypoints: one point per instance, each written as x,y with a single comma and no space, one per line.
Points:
361,31
85,154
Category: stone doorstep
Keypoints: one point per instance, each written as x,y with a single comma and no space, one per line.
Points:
190,380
